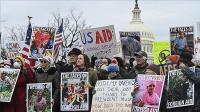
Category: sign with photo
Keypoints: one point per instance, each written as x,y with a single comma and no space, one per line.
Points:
147,96
113,96
182,40
74,91
181,90
8,79
39,97
100,42
130,43
42,42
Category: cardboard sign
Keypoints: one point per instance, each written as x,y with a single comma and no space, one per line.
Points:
39,97
42,42
148,96
181,90
100,42
113,96
13,48
8,79
74,92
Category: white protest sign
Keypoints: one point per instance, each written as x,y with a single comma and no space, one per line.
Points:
113,96
100,42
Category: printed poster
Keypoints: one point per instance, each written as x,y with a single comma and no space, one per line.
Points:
42,42
74,91
181,90
147,96
182,40
130,43
100,42
160,52
39,97
165,68
113,96
13,48
8,79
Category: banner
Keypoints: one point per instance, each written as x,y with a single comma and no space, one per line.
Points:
74,91
13,48
39,97
160,51
130,43
181,90
8,79
113,96
182,40
148,95
100,42
165,68
42,42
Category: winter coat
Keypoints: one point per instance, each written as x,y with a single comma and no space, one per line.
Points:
52,76
18,100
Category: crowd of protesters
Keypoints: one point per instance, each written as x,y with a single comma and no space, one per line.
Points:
98,69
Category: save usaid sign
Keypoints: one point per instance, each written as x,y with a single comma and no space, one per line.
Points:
100,42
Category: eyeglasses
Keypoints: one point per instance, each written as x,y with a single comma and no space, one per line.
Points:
43,61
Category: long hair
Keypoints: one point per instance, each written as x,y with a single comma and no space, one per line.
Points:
86,61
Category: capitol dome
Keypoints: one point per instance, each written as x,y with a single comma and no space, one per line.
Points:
146,35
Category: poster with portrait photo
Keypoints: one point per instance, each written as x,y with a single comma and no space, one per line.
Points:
8,79
74,91
147,95
182,40
130,43
181,90
42,42
39,97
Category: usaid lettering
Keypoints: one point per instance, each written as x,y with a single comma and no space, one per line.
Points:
100,41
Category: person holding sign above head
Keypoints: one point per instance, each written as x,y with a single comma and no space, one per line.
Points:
83,65
47,72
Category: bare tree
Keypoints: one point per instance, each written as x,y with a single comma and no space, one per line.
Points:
72,24
16,33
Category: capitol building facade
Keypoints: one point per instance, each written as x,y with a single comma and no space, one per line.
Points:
146,35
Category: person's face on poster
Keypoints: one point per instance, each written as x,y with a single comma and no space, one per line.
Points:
182,34
40,94
151,89
45,36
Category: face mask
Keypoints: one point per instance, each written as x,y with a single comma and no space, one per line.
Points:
6,66
17,65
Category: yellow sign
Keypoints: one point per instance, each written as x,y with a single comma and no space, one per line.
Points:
160,51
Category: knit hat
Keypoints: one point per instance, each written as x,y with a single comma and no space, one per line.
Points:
21,59
49,59
113,68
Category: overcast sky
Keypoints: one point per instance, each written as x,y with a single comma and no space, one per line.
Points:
158,15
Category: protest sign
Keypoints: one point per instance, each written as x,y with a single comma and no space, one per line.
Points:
181,90
160,52
165,68
74,91
13,48
100,42
148,96
8,79
130,43
113,96
182,40
42,42
39,97
197,49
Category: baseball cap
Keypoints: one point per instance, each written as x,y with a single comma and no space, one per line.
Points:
141,53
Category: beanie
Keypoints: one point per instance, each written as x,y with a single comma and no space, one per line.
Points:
22,60
113,68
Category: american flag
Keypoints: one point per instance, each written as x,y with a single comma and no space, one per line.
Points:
58,41
25,51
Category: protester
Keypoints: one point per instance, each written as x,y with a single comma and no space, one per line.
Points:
83,65
114,72
47,72
122,69
18,101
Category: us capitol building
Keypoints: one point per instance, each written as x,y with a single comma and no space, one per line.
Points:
146,35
